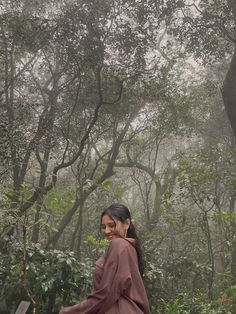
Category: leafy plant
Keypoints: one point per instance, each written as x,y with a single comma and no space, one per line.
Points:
53,278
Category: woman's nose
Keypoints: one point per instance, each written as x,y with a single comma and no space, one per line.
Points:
107,230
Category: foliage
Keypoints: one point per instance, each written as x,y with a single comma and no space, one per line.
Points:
57,202
206,28
94,247
102,101
53,278
167,277
186,304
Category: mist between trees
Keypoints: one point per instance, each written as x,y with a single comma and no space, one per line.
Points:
118,101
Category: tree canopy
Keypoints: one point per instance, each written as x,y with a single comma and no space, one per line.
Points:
118,101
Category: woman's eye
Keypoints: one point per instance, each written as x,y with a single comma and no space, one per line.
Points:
109,226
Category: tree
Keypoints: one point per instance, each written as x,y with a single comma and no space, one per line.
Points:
81,59
206,29
165,119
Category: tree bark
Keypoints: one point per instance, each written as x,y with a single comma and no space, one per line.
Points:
229,93
42,182
77,234
210,254
232,211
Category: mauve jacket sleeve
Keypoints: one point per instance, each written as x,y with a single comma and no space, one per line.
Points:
116,278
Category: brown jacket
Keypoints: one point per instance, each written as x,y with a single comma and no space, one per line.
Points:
117,285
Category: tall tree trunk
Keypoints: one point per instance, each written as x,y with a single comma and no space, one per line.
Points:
229,92
42,182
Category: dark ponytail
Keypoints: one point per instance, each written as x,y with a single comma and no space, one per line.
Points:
131,233
121,213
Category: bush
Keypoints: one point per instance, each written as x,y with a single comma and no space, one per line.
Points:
198,304
50,278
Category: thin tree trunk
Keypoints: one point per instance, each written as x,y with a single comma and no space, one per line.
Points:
79,238
233,244
221,254
42,182
233,261
77,234
157,201
51,302
232,211
210,255
36,228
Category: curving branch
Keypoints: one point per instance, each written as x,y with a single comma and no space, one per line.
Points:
108,172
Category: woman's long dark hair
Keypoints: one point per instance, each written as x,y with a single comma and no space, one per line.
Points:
121,213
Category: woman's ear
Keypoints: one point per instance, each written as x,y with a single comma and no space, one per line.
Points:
127,222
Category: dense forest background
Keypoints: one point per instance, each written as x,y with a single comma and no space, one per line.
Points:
105,101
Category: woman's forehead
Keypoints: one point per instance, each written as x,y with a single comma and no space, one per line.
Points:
107,219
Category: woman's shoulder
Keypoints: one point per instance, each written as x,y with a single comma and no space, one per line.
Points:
118,241
120,244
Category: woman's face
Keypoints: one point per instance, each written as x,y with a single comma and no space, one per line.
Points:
114,228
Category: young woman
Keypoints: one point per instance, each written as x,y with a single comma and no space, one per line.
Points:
117,279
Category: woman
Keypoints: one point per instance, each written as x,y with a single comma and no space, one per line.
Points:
117,279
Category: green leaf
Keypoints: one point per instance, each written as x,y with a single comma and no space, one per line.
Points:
12,197
119,191
105,185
